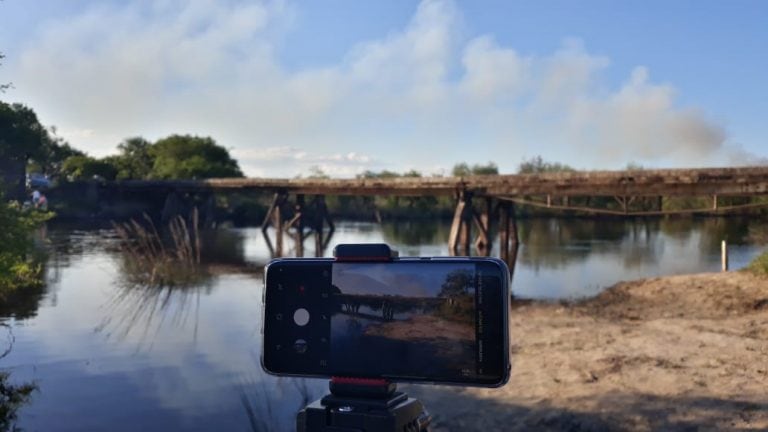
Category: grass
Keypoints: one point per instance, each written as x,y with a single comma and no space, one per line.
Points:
157,260
759,265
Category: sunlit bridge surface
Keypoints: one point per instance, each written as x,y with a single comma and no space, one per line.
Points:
109,351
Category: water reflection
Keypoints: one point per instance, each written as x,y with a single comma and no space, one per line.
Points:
149,294
197,366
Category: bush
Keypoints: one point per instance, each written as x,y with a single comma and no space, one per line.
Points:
759,265
17,269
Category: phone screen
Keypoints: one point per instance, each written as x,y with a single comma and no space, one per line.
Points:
420,320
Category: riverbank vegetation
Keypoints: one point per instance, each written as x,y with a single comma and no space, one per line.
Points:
760,264
18,268
12,397
161,258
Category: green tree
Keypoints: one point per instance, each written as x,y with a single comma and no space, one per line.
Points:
52,155
135,160
21,134
463,169
21,138
378,175
488,169
537,165
191,157
86,167
457,283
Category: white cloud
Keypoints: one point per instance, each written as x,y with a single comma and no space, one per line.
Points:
423,96
271,161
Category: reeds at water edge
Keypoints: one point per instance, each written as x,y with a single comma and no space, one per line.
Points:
156,259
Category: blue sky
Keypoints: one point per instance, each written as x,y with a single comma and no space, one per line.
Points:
347,85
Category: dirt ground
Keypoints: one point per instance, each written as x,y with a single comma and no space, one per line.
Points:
680,353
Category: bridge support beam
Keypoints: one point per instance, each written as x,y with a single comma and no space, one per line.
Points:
182,205
461,228
173,206
304,221
297,223
274,217
320,218
483,242
508,239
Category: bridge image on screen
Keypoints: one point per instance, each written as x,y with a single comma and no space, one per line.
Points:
415,319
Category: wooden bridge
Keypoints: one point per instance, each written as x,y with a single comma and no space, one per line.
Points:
636,193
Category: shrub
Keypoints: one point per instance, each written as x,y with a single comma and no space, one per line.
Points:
17,269
760,264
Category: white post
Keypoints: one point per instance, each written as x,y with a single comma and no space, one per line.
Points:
724,255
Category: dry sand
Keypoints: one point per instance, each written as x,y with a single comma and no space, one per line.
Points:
673,353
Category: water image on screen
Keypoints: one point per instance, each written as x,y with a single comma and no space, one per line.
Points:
413,319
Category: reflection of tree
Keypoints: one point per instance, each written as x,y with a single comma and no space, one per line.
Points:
556,243
169,291
385,306
415,232
12,396
145,304
734,230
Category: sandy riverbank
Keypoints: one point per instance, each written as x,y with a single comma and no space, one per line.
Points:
674,353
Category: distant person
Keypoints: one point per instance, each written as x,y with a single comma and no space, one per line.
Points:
35,197
42,203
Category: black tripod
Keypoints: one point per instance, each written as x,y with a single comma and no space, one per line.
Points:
363,405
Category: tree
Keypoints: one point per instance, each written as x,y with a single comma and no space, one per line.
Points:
135,160
537,165
191,157
457,283
461,170
488,169
86,167
315,172
384,174
21,138
21,134
52,155
464,170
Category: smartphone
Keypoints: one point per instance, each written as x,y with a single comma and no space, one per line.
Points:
438,320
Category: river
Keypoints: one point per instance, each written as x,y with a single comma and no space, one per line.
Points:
107,353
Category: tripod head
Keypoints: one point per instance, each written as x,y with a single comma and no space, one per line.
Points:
363,405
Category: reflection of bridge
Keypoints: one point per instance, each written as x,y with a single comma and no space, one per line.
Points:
364,315
637,192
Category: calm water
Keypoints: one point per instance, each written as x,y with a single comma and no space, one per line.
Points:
109,354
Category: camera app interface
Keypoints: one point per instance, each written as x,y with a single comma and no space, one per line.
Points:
420,318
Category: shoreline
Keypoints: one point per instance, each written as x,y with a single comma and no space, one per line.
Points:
685,352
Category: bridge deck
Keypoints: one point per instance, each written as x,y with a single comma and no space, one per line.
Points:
668,182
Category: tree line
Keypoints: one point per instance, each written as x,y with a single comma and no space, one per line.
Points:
24,138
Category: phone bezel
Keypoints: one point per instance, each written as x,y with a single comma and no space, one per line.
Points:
505,281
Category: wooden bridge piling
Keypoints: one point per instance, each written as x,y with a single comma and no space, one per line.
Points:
461,228
305,220
508,239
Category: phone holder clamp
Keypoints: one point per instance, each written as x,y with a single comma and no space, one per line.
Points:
363,404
